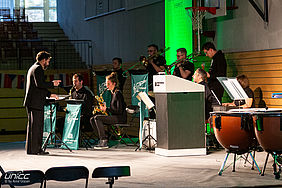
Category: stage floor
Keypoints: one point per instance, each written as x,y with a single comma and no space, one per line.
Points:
147,169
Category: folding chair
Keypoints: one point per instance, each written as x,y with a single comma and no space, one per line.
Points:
112,173
67,173
22,178
119,130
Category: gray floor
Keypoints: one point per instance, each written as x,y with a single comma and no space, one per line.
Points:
147,169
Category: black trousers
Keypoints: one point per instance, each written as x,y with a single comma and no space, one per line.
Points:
34,130
100,121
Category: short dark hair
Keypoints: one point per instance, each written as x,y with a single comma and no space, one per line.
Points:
79,76
202,73
118,59
153,45
243,80
182,50
208,45
42,55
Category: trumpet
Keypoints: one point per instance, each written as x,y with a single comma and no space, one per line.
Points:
189,58
100,103
145,60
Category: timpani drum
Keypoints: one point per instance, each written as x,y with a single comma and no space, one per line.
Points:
234,131
268,130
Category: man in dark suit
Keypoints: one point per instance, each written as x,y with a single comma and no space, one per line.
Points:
35,98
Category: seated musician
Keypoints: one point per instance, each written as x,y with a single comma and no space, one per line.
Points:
79,91
184,68
117,67
116,112
200,77
247,103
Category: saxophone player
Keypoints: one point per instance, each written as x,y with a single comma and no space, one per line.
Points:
116,111
184,68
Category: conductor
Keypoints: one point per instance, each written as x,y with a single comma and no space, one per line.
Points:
36,92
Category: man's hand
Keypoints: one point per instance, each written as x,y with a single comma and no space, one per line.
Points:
54,96
56,82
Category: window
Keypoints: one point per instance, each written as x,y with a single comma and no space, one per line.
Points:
39,10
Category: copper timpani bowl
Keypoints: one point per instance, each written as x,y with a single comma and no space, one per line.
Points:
268,130
234,131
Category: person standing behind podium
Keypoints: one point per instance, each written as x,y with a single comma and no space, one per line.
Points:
116,111
217,69
155,64
200,77
36,92
184,68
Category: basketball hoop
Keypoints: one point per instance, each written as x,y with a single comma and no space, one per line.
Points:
197,15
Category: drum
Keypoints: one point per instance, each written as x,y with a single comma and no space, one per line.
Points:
234,131
268,130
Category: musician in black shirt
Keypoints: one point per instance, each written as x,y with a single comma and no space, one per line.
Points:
155,64
116,112
246,103
184,68
80,92
217,69
117,67
200,77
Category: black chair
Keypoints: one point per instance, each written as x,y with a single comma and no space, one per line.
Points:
67,173
119,130
22,178
112,173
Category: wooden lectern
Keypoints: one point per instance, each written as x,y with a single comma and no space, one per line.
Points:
180,118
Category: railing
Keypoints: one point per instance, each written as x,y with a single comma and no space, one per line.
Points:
66,54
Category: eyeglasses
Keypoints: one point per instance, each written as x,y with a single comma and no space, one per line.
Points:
150,51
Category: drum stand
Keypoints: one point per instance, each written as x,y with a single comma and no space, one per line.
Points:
234,162
52,133
275,164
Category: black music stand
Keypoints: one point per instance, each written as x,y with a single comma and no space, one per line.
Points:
52,133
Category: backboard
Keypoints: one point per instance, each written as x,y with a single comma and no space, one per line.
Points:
220,8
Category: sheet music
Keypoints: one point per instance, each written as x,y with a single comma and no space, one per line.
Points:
61,97
235,89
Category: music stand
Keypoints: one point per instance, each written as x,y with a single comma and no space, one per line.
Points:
144,98
52,133
233,88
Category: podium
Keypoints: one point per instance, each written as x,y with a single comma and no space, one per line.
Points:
72,123
180,119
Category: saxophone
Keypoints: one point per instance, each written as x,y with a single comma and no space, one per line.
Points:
100,103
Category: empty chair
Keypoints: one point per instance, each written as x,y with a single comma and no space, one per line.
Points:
67,173
22,178
112,173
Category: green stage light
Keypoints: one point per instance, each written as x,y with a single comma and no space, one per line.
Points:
178,28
